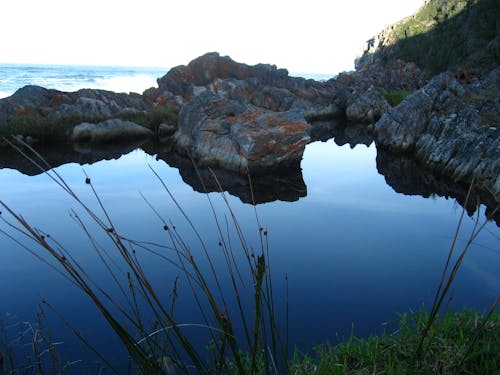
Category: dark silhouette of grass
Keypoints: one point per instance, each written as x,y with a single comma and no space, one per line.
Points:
164,341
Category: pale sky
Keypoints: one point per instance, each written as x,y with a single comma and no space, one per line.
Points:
307,36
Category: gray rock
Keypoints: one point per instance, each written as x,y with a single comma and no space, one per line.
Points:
367,107
109,131
166,130
38,103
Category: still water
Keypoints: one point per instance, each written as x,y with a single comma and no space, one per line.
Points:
354,250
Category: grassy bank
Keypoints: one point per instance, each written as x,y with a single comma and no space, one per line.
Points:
463,342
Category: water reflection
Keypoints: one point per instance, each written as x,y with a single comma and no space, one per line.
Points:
353,249
280,185
406,176
403,174
64,153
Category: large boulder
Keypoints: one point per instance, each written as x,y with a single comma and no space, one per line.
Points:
207,68
224,132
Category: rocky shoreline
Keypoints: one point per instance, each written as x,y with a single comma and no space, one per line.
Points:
243,118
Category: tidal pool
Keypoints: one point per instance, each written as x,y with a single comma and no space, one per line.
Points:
354,250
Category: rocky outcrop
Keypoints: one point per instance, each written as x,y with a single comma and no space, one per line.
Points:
239,117
258,117
367,107
361,97
451,128
242,117
109,131
261,85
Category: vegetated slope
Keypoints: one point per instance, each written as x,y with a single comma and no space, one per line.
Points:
441,35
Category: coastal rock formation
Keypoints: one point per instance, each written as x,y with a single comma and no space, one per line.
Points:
258,117
367,107
261,85
451,128
242,117
360,97
37,102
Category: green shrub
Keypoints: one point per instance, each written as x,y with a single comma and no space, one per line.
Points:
396,97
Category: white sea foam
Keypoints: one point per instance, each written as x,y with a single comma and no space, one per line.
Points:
135,83
4,94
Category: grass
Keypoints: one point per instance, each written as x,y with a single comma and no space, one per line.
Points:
29,348
246,332
450,350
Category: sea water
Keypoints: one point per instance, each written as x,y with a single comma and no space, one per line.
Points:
74,77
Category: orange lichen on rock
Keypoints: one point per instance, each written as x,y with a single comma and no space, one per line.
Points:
250,115
287,125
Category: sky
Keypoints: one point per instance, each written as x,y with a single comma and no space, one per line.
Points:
307,36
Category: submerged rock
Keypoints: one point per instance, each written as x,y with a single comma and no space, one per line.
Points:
109,130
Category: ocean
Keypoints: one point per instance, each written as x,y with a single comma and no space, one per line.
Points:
74,77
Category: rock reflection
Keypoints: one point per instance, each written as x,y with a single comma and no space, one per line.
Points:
342,134
403,174
406,176
63,153
281,184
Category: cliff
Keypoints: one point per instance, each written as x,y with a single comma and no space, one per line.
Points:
442,35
